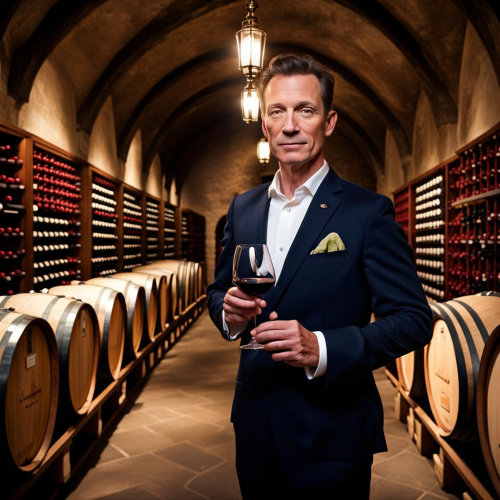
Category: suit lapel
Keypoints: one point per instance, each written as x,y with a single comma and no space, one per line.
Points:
329,193
260,214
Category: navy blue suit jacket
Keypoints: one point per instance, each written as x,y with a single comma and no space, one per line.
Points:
338,415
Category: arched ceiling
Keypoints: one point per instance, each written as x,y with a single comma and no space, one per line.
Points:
162,61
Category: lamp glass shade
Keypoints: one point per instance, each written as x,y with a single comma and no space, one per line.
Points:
251,46
250,105
263,151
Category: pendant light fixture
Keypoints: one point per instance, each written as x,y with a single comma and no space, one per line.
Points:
263,151
250,103
251,41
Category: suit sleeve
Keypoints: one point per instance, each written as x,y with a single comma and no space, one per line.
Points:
223,275
397,298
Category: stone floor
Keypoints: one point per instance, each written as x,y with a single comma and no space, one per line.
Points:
177,443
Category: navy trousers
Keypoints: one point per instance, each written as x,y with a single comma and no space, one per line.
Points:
310,478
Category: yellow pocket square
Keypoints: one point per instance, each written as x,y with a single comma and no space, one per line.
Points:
330,243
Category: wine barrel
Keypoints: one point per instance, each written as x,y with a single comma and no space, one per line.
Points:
110,308
153,310
173,305
188,276
164,300
29,379
135,300
488,406
411,374
78,344
461,328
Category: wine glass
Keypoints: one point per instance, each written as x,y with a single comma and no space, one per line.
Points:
253,273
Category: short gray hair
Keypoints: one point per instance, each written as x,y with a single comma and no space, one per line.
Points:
292,64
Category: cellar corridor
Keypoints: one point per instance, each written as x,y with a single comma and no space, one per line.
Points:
176,442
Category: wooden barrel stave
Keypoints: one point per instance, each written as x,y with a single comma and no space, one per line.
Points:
109,306
411,374
149,283
172,287
189,274
78,344
135,300
488,407
461,328
29,380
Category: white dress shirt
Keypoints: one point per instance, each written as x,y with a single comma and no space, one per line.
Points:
284,220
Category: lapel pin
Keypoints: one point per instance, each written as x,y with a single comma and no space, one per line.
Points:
323,205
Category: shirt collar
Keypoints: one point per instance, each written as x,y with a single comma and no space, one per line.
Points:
312,184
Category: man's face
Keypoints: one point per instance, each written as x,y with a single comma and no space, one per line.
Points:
294,121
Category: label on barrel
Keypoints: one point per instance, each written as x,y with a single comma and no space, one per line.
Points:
30,361
445,402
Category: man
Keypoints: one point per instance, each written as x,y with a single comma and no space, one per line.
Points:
307,414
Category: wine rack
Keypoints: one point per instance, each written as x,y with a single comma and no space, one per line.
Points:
474,233
12,213
402,208
184,235
56,219
169,225
430,223
132,231
196,237
104,227
152,230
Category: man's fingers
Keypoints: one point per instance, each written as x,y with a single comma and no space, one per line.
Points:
236,292
273,325
278,345
273,316
283,356
229,309
241,303
272,336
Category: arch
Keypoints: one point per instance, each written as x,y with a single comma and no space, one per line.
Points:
485,17
180,12
175,15
59,21
179,111
443,106
367,147
8,10
169,80
159,89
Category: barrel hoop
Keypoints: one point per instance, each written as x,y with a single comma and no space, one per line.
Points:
64,347
48,309
462,375
5,365
98,299
10,330
470,342
4,301
477,319
490,294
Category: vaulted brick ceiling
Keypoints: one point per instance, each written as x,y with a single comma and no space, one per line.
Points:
162,61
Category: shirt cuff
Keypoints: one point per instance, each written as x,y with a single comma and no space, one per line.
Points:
317,371
234,329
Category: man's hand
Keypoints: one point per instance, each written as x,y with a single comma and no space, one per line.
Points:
240,307
297,345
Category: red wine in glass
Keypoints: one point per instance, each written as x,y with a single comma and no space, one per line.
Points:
253,273
255,286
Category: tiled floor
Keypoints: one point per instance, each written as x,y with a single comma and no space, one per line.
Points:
177,443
